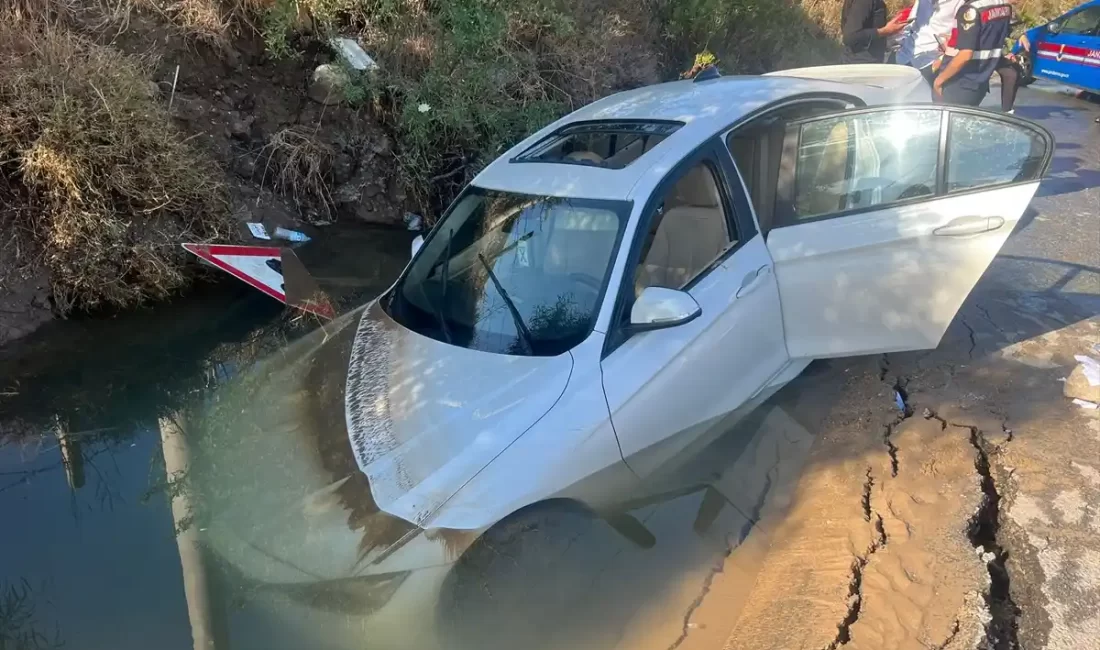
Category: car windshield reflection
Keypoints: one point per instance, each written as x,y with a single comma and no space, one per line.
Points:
512,273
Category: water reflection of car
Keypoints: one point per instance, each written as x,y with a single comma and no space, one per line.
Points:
605,297
1066,50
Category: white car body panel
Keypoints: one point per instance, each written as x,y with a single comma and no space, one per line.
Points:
424,417
707,368
882,281
705,109
575,439
878,75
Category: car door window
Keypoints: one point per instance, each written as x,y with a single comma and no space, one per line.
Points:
689,231
982,152
1082,23
853,162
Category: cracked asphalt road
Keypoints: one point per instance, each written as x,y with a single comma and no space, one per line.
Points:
972,520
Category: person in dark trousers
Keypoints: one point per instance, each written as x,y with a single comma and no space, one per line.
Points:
1010,73
865,30
983,26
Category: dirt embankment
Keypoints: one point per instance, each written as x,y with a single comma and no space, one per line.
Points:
122,137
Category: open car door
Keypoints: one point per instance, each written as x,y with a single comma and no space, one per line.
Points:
885,219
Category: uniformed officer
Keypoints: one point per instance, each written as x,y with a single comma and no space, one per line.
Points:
983,26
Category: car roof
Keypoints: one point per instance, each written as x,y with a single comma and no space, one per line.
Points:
704,107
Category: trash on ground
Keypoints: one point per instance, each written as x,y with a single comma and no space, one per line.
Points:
413,221
899,401
354,55
1085,404
258,230
1084,381
290,235
1091,368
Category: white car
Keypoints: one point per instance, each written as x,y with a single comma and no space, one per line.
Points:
606,296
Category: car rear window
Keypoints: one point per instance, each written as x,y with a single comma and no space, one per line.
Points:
612,145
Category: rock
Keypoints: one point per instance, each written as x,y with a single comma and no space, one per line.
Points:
347,194
241,129
246,102
24,299
382,145
1077,386
245,167
327,84
342,168
372,190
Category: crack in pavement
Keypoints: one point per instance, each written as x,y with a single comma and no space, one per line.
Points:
973,342
720,566
988,317
950,637
859,563
887,435
867,485
1002,630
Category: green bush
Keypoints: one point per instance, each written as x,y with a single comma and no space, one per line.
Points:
464,79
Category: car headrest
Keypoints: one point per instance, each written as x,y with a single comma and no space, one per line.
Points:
696,188
584,155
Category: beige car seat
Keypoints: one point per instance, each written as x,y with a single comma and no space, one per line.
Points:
587,156
692,233
827,188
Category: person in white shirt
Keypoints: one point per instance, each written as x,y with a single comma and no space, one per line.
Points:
932,23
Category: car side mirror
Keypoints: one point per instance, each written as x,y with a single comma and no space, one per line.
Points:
417,243
658,308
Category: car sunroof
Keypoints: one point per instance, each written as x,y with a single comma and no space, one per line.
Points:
608,144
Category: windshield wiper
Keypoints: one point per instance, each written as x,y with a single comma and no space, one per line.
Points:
521,327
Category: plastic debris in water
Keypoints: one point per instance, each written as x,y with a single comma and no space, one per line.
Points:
290,235
1091,368
1085,404
413,221
258,230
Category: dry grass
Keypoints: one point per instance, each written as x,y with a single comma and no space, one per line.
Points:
299,164
111,187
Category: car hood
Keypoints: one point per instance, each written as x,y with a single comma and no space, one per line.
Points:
424,417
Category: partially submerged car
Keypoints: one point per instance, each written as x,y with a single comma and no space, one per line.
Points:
606,296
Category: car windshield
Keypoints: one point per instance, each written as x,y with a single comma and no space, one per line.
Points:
512,273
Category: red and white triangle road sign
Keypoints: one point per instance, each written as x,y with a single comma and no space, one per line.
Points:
265,268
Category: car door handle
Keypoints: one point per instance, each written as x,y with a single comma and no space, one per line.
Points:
968,226
753,280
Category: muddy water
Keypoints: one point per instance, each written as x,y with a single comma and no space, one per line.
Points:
118,482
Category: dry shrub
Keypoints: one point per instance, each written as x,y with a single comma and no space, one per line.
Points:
112,186
300,165
614,45
1035,12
